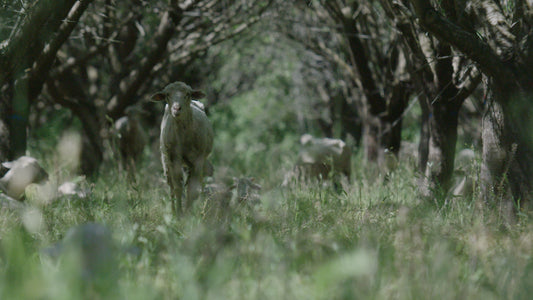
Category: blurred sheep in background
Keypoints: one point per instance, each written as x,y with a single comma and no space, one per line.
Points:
73,188
22,172
319,159
464,182
131,139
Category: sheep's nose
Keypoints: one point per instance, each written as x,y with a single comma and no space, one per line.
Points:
175,109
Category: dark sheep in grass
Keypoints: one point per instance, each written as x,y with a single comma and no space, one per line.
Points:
131,139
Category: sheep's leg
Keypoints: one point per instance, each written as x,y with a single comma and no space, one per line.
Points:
174,174
194,182
131,170
176,189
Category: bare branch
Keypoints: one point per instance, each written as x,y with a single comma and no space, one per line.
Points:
469,86
26,44
134,81
44,62
467,42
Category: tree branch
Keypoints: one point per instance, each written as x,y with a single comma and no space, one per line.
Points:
42,21
468,87
44,62
130,85
468,43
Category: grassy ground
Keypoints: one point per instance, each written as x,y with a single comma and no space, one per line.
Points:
377,240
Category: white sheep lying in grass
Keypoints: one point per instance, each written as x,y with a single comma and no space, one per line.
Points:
71,188
319,159
22,172
186,141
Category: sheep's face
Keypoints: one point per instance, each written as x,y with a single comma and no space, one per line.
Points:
177,95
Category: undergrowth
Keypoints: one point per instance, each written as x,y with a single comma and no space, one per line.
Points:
375,239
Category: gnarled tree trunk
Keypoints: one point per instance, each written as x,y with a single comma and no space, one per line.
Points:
24,65
507,168
506,58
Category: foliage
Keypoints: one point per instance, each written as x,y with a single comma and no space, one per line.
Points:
374,241
255,128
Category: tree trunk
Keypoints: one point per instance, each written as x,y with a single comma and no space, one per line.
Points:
350,122
507,141
392,121
371,136
68,92
444,104
494,154
19,118
24,54
5,115
423,144
507,167
442,139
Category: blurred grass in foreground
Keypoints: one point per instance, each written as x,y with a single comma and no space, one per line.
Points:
376,241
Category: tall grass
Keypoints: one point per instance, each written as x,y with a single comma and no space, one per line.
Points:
376,240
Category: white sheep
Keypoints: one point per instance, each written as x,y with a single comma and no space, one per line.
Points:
131,139
70,188
186,141
319,158
22,172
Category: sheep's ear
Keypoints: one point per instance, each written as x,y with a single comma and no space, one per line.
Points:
8,164
158,97
197,94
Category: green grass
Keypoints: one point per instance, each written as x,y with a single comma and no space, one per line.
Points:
377,240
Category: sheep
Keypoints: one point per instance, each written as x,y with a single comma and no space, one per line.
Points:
464,182
320,157
388,162
131,139
70,188
186,141
22,172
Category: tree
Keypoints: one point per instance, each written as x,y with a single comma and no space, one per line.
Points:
444,86
352,36
124,50
26,57
498,37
